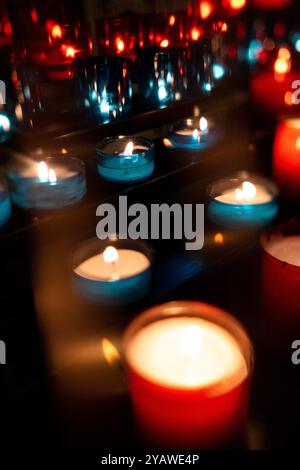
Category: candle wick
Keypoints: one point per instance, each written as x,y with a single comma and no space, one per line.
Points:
115,275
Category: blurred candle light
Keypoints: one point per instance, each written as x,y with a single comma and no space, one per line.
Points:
206,9
70,52
172,20
164,43
56,32
237,4
195,34
120,44
110,351
286,157
273,89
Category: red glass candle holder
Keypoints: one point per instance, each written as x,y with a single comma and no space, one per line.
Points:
274,92
280,285
118,36
176,404
286,157
162,29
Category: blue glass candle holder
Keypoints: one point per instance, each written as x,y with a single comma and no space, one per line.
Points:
52,184
5,204
105,88
162,76
242,201
125,159
123,279
195,133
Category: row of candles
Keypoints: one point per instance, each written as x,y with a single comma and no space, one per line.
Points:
60,181
189,364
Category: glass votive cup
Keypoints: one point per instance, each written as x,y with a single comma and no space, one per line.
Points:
195,133
105,86
5,203
162,75
242,201
286,157
53,183
125,159
280,284
118,278
189,366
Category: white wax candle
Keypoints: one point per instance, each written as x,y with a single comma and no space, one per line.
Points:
187,353
286,249
129,263
262,196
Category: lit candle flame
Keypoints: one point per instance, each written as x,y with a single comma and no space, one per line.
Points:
206,9
237,4
42,171
248,192
283,62
120,44
110,255
52,176
110,352
46,175
56,32
195,134
164,43
282,66
70,52
219,238
203,124
128,149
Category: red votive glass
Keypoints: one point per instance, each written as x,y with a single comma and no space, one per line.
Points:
274,92
286,157
189,366
280,285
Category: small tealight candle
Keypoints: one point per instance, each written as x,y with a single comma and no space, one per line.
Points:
194,133
286,157
189,366
245,200
5,204
54,183
281,284
116,273
125,159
